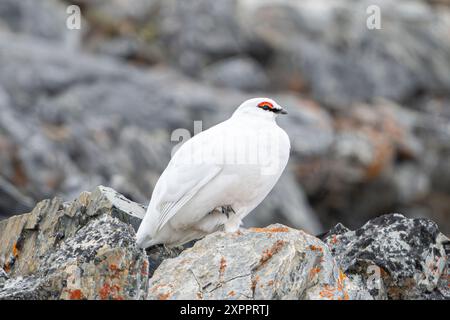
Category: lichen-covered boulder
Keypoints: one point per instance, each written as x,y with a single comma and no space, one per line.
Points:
85,249
394,257
275,262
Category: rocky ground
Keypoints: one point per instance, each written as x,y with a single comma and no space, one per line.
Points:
85,249
369,116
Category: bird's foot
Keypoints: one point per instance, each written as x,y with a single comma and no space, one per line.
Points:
227,209
224,210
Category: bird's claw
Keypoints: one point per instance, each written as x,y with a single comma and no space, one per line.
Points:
226,210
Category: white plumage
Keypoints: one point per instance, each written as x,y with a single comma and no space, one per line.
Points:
219,176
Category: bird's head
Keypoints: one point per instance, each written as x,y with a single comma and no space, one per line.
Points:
260,107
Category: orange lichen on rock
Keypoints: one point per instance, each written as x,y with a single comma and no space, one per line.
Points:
75,294
159,286
223,265
113,267
334,239
231,293
110,292
278,229
104,291
327,292
267,254
314,271
15,250
383,153
315,248
345,297
164,296
338,292
342,277
144,269
254,283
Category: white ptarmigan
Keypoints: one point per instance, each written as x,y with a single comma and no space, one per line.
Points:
217,177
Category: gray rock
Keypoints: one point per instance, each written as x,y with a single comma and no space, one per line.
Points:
80,250
3,277
375,162
411,182
201,31
238,73
131,29
100,262
334,52
42,19
309,126
126,48
117,11
312,46
394,257
271,263
107,200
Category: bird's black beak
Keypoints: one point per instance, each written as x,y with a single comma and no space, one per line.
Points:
279,111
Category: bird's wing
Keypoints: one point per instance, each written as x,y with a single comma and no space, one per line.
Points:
189,170
169,205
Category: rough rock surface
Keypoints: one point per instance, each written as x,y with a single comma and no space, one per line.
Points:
80,250
275,262
85,249
3,276
239,73
42,19
409,255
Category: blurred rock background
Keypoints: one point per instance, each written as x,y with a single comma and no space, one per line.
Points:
369,110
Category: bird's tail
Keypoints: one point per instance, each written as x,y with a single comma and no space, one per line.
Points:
143,236
146,233
143,240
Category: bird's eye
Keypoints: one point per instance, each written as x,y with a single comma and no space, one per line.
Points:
265,105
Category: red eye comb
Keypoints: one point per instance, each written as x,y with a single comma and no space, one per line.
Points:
265,104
